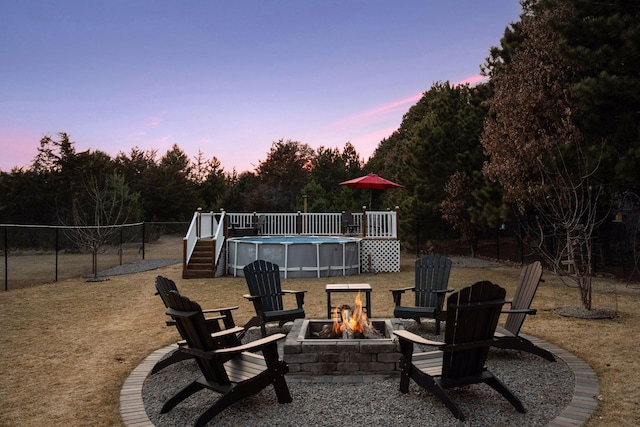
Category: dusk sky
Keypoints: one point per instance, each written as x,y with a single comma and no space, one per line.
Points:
229,78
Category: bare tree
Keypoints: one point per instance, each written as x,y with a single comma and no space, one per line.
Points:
99,216
540,157
564,221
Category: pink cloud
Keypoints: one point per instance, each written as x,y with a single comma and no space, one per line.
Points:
366,144
471,80
384,109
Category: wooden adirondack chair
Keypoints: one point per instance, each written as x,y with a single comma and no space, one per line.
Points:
266,293
234,372
432,277
472,316
508,337
163,287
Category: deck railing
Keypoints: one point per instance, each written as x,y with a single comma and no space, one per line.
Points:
366,224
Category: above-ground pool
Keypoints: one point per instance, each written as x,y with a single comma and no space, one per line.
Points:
297,256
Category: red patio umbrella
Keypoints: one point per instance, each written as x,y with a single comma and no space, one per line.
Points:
372,182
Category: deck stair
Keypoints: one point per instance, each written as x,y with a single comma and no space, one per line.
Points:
202,262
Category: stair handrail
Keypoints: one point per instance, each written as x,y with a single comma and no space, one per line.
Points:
218,237
203,225
190,239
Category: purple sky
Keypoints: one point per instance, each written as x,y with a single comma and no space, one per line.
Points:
229,77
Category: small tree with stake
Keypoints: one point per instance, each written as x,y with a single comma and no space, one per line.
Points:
97,216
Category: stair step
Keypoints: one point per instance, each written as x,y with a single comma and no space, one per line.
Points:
201,264
200,267
198,274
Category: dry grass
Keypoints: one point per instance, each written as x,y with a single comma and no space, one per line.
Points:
68,347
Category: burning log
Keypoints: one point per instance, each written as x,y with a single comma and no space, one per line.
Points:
326,332
349,323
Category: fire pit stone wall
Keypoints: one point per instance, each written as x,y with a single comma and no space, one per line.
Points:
306,355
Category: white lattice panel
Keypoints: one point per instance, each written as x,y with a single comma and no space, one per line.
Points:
381,255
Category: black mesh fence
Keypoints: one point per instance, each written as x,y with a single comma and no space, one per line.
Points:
33,254
616,248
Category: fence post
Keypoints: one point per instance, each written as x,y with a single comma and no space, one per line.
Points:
397,225
57,251
6,260
364,221
143,235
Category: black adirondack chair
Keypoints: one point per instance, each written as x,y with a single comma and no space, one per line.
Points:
432,277
508,337
224,315
266,293
348,224
234,372
472,317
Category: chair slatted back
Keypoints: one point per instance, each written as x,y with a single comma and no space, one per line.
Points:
263,278
192,326
432,273
530,277
163,287
472,317
347,219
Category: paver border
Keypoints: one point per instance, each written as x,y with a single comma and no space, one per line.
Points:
582,405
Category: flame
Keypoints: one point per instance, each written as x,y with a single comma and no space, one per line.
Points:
355,320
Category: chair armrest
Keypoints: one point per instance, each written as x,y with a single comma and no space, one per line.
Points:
172,322
257,303
416,339
443,291
251,346
299,296
521,310
227,332
225,313
219,310
402,290
397,294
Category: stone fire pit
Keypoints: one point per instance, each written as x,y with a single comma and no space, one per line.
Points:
308,355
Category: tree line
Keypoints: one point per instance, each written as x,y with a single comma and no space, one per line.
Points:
551,140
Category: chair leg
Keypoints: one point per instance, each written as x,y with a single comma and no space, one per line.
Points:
521,344
254,321
497,385
282,389
432,385
176,356
406,348
439,392
192,388
277,370
221,404
236,394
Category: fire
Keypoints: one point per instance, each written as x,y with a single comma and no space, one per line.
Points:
353,322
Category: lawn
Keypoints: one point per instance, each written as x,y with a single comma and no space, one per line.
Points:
68,346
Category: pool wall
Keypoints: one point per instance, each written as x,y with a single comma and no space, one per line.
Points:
297,256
